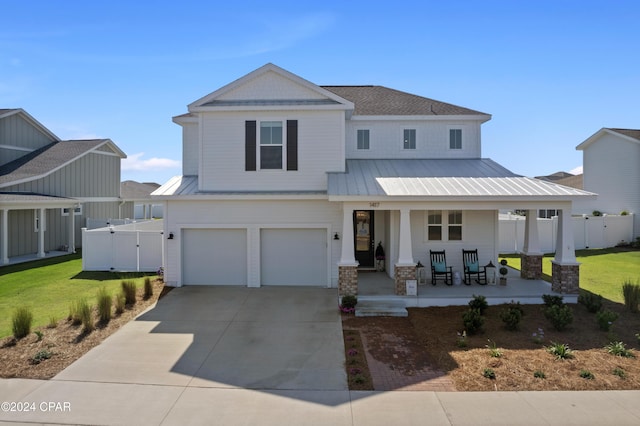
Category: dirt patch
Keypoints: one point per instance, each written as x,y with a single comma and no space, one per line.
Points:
426,351
61,345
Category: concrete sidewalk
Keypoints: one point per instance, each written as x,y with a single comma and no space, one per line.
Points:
225,355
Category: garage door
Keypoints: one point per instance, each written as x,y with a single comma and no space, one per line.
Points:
293,257
214,257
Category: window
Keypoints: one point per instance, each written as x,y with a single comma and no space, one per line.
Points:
76,211
444,225
363,139
409,139
547,214
455,138
271,144
455,225
434,227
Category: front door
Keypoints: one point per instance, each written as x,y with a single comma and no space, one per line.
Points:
363,238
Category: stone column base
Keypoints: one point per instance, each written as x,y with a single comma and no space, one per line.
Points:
348,280
565,278
531,266
404,273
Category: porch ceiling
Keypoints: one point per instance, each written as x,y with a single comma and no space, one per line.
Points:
17,200
463,179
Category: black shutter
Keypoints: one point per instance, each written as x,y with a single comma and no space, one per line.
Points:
292,144
250,146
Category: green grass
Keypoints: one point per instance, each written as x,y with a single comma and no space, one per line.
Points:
602,271
48,286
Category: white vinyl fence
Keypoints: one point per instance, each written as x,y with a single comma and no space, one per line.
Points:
128,248
588,232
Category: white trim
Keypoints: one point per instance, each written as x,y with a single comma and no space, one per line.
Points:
16,148
482,118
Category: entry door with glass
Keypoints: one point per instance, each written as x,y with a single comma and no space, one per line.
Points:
363,238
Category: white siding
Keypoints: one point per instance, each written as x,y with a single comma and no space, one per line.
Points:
432,139
190,151
270,86
320,149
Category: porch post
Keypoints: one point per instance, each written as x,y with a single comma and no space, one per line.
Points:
531,256
5,236
347,267
41,224
405,267
565,269
71,245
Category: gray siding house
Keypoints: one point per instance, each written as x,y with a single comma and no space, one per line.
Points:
48,187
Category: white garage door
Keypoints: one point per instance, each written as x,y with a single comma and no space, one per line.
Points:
214,257
293,257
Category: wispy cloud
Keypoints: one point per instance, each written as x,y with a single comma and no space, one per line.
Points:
576,170
135,162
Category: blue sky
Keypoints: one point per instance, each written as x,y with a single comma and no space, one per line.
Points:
551,73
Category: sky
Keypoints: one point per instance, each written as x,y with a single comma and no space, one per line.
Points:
551,73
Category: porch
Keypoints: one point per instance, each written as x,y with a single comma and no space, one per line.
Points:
378,286
34,256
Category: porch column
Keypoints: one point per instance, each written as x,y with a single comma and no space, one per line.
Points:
41,224
565,269
405,267
5,236
531,256
71,245
347,267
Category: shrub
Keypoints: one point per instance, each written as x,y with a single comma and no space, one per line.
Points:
148,288
489,373
559,316
83,311
586,374
539,336
22,320
461,341
479,303
74,311
591,301
494,350
605,319
619,372
472,321
550,300
619,349
120,302
53,322
104,305
40,356
511,317
631,294
129,290
560,350
596,213
349,301
539,374
39,334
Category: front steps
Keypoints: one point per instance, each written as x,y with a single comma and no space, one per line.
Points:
381,308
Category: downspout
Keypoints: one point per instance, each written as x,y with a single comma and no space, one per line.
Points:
120,209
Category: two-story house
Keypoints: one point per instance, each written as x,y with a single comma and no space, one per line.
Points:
289,183
48,187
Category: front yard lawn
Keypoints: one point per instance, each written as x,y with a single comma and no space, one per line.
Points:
48,287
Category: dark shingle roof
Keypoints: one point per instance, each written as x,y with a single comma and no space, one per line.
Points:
132,190
380,100
632,133
45,160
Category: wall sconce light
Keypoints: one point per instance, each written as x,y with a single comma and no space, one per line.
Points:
170,236
336,236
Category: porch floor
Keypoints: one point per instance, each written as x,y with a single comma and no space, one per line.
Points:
31,257
379,286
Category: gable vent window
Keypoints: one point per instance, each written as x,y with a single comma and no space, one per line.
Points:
271,145
455,138
363,139
409,139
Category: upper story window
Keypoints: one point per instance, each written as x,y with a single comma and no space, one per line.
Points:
77,211
409,139
271,144
455,138
363,139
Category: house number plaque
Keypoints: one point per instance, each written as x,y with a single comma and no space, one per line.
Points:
374,205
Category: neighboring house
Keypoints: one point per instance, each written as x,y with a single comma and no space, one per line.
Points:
561,178
289,183
49,187
611,167
140,195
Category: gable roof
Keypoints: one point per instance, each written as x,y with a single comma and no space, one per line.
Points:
48,159
132,190
380,100
6,112
631,135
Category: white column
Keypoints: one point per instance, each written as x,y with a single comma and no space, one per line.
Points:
71,245
5,236
405,251
41,224
531,239
565,249
347,257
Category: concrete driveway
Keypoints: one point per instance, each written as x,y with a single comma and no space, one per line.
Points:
274,338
